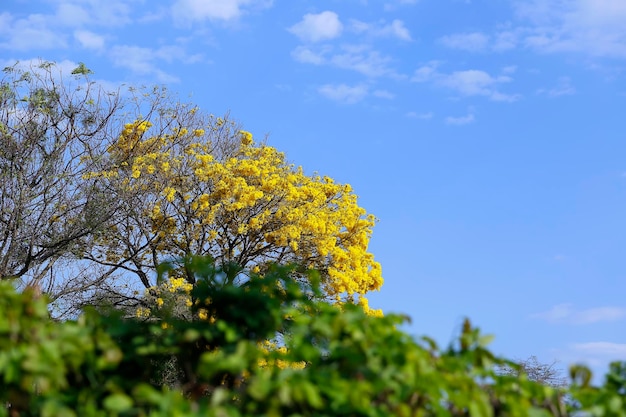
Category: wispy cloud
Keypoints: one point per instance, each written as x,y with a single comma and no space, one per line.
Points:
473,42
473,82
395,29
510,69
318,27
505,40
563,88
222,10
105,13
89,40
344,93
363,59
420,116
606,349
596,354
348,94
502,40
68,19
359,58
147,61
33,32
593,27
466,83
390,6
461,120
307,55
387,95
567,314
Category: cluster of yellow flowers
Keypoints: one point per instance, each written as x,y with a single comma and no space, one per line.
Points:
268,347
174,292
246,205
174,285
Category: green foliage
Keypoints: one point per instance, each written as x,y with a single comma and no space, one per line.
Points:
329,361
81,69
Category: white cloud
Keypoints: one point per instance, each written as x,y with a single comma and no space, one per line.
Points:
459,121
147,61
89,39
593,27
318,27
596,354
566,314
473,42
563,88
31,32
69,14
501,41
82,13
344,93
359,58
420,116
362,59
305,55
505,40
5,19
398,3
383,94
49,31
506,98
135,58
473,82
467,82
509,69
608,350
224,10
426,72
395,29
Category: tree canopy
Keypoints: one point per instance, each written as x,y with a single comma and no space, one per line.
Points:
50,128
104,186
187,195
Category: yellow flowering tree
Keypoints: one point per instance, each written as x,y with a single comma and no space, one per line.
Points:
199,185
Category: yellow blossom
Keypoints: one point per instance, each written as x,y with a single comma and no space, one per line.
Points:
218,193
169,193
246,137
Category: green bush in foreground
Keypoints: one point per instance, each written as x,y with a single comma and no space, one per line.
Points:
330,361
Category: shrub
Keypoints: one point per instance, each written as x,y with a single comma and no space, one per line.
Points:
328,360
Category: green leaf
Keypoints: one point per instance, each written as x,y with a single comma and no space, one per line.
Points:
118,402
81,69
615,404
485,340
479,408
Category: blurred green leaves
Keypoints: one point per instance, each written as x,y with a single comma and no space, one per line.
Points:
326,360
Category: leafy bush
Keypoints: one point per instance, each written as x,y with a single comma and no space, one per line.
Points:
328,360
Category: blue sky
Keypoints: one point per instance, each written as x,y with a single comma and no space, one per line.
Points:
487,136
